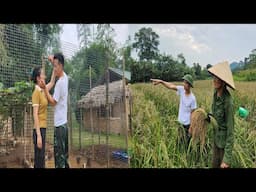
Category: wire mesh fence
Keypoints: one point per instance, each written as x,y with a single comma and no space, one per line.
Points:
98,102
97,115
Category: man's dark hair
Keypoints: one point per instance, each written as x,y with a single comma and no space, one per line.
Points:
36,73
60,58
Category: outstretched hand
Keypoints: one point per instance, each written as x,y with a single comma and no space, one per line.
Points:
208,118
50,58
156,81
42,84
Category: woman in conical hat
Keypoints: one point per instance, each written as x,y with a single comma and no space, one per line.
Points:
223,112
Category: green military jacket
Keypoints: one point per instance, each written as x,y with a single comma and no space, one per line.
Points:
223,112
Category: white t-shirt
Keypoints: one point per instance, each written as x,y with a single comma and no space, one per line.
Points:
61,97
187,104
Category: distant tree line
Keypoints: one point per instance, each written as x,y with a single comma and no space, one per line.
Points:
153,64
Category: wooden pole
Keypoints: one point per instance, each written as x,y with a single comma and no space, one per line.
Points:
125,107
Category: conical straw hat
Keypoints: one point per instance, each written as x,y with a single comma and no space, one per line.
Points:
222,71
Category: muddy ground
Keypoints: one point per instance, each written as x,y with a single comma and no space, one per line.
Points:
91,157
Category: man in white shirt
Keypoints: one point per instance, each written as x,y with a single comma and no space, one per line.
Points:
187,103
60,102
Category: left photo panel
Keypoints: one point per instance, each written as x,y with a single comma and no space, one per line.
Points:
63,104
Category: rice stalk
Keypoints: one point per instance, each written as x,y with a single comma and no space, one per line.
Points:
199,126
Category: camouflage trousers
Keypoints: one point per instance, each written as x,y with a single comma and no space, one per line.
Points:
61,146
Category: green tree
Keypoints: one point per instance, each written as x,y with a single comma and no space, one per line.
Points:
47,36
23,45
166,68
3,50
146,43
124,53
250,62
208,66
181,59
198,70
84,34
105,37
22,53
93,57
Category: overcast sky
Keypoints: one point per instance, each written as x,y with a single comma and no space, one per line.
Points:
199,43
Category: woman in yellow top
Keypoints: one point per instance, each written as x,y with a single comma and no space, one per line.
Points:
40,103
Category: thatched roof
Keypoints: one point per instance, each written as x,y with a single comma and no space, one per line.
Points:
97,96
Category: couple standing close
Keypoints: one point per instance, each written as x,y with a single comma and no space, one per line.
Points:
40,99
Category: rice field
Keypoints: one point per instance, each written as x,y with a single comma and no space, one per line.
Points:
155,144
